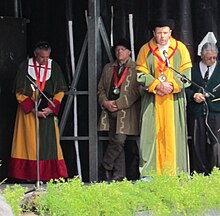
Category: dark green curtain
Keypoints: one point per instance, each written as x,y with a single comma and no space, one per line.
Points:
194,18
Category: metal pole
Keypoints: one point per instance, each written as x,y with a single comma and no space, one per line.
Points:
131,31
94,67
16,8
37,141
70,25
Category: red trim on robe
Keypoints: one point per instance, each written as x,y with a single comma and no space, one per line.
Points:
56,108
27,105
27,169
186,64
159,57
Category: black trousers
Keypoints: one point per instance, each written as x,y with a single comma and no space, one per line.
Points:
114,157
204,144
132,160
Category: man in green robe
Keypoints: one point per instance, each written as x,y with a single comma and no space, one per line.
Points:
31,160
163,139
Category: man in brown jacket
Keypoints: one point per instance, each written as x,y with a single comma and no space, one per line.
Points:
118,93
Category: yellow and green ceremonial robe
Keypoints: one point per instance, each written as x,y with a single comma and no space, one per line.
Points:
23,162
163,138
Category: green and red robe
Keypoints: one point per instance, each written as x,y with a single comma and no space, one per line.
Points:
23,155
163,139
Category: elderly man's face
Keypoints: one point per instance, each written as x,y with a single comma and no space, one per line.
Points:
122,53
42,56
209,58
162,34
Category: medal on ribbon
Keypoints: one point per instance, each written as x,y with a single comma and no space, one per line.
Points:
161,63
117,83
162,77
40,84
116,90
162,67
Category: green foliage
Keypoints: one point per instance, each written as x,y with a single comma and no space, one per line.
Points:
163,195
14,196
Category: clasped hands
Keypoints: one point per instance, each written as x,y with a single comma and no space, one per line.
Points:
44,113
164,88
110,105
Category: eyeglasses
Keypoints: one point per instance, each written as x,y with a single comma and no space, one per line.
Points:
120,48
211,57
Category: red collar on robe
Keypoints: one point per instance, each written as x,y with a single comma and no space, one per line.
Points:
155,50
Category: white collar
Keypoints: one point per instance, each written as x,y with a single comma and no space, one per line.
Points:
203,68
31,70
162,48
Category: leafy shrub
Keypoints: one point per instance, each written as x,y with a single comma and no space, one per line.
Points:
163,195
14,196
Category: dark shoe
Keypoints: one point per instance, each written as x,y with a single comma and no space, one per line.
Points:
117,178
104,174
108,175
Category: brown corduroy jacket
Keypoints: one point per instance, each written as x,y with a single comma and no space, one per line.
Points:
128,103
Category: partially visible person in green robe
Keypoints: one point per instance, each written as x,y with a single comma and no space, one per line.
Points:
48,76
163,138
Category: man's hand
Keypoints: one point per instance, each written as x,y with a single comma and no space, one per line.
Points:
164,88
44,113
199,97
110,105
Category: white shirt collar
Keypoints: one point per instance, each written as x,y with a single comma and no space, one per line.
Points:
31,70
203,68
162,48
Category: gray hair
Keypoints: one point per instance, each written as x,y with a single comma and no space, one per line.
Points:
42,45
209,47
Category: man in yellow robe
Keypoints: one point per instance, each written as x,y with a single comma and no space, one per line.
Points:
163,139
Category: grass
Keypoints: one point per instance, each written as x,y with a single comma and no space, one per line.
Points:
163,195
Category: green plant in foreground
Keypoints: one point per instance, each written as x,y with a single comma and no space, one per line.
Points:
14,196
163,195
